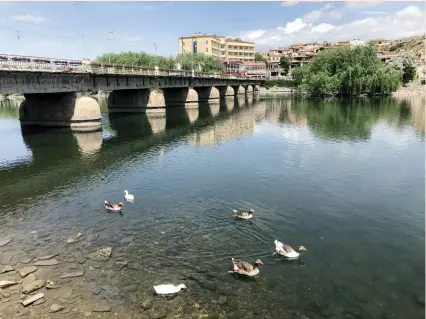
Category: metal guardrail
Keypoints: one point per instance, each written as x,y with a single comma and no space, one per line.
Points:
8,65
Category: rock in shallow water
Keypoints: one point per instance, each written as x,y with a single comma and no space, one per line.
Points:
102,309
7,283
32,299
47,257
73,274
25,271
7,269
74,239
49,262
32,286
101,254
147,303
97,291
56,307
4,240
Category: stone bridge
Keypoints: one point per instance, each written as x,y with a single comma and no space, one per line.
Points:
62,98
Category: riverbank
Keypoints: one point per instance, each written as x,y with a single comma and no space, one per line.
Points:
410,90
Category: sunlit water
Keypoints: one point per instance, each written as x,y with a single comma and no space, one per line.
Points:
343,178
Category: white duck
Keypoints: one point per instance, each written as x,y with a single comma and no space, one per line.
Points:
128,197
286,250
242,267
243,214
168,289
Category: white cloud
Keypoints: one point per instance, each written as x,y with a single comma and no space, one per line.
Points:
411,12
293,26
322,28
289,3
404,23
29,18
327,11
254,34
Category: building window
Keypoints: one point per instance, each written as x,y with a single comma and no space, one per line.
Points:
207,42
207,49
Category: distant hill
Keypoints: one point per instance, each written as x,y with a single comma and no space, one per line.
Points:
414,44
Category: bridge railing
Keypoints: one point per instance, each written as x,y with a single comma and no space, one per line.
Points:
8,65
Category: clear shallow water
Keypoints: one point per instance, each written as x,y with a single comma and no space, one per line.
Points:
343,178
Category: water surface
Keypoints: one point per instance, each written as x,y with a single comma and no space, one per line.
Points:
343,178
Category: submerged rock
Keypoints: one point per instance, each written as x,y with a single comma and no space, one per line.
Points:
28,279
4,240
92,237
158,313
73,274
102,309
32,299
47,257
101,254
147,304
25,271
7,283
56,307
97,291
48,262
7,269
52,285
74,239
32,286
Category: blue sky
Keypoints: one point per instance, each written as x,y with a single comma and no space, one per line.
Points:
56,28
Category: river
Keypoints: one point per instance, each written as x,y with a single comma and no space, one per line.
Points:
344,178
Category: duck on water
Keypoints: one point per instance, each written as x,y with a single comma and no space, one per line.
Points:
243,267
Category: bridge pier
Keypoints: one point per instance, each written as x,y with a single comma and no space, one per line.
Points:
70,109
226,92
137,101
249,89
186,97
239,89
208,94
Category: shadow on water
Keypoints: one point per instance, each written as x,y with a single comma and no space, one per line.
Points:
60,155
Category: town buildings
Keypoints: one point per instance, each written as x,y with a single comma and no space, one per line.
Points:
226,49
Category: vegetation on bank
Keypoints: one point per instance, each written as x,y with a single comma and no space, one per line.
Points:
279,83
187,61
347,72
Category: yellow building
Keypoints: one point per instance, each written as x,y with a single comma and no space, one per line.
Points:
226,49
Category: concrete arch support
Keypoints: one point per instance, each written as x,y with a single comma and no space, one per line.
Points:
249,89
186,97
136,101
73,110
208,94
239,90
226,91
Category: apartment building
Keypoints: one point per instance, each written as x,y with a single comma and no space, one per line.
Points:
226,49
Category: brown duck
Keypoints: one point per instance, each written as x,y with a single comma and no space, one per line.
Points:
243,267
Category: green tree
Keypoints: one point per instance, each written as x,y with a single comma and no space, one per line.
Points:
407,64
260,58
347,71
285,63
188,61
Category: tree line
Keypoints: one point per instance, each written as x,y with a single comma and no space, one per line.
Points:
186,61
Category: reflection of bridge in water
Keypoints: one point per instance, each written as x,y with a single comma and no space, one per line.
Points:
66,155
